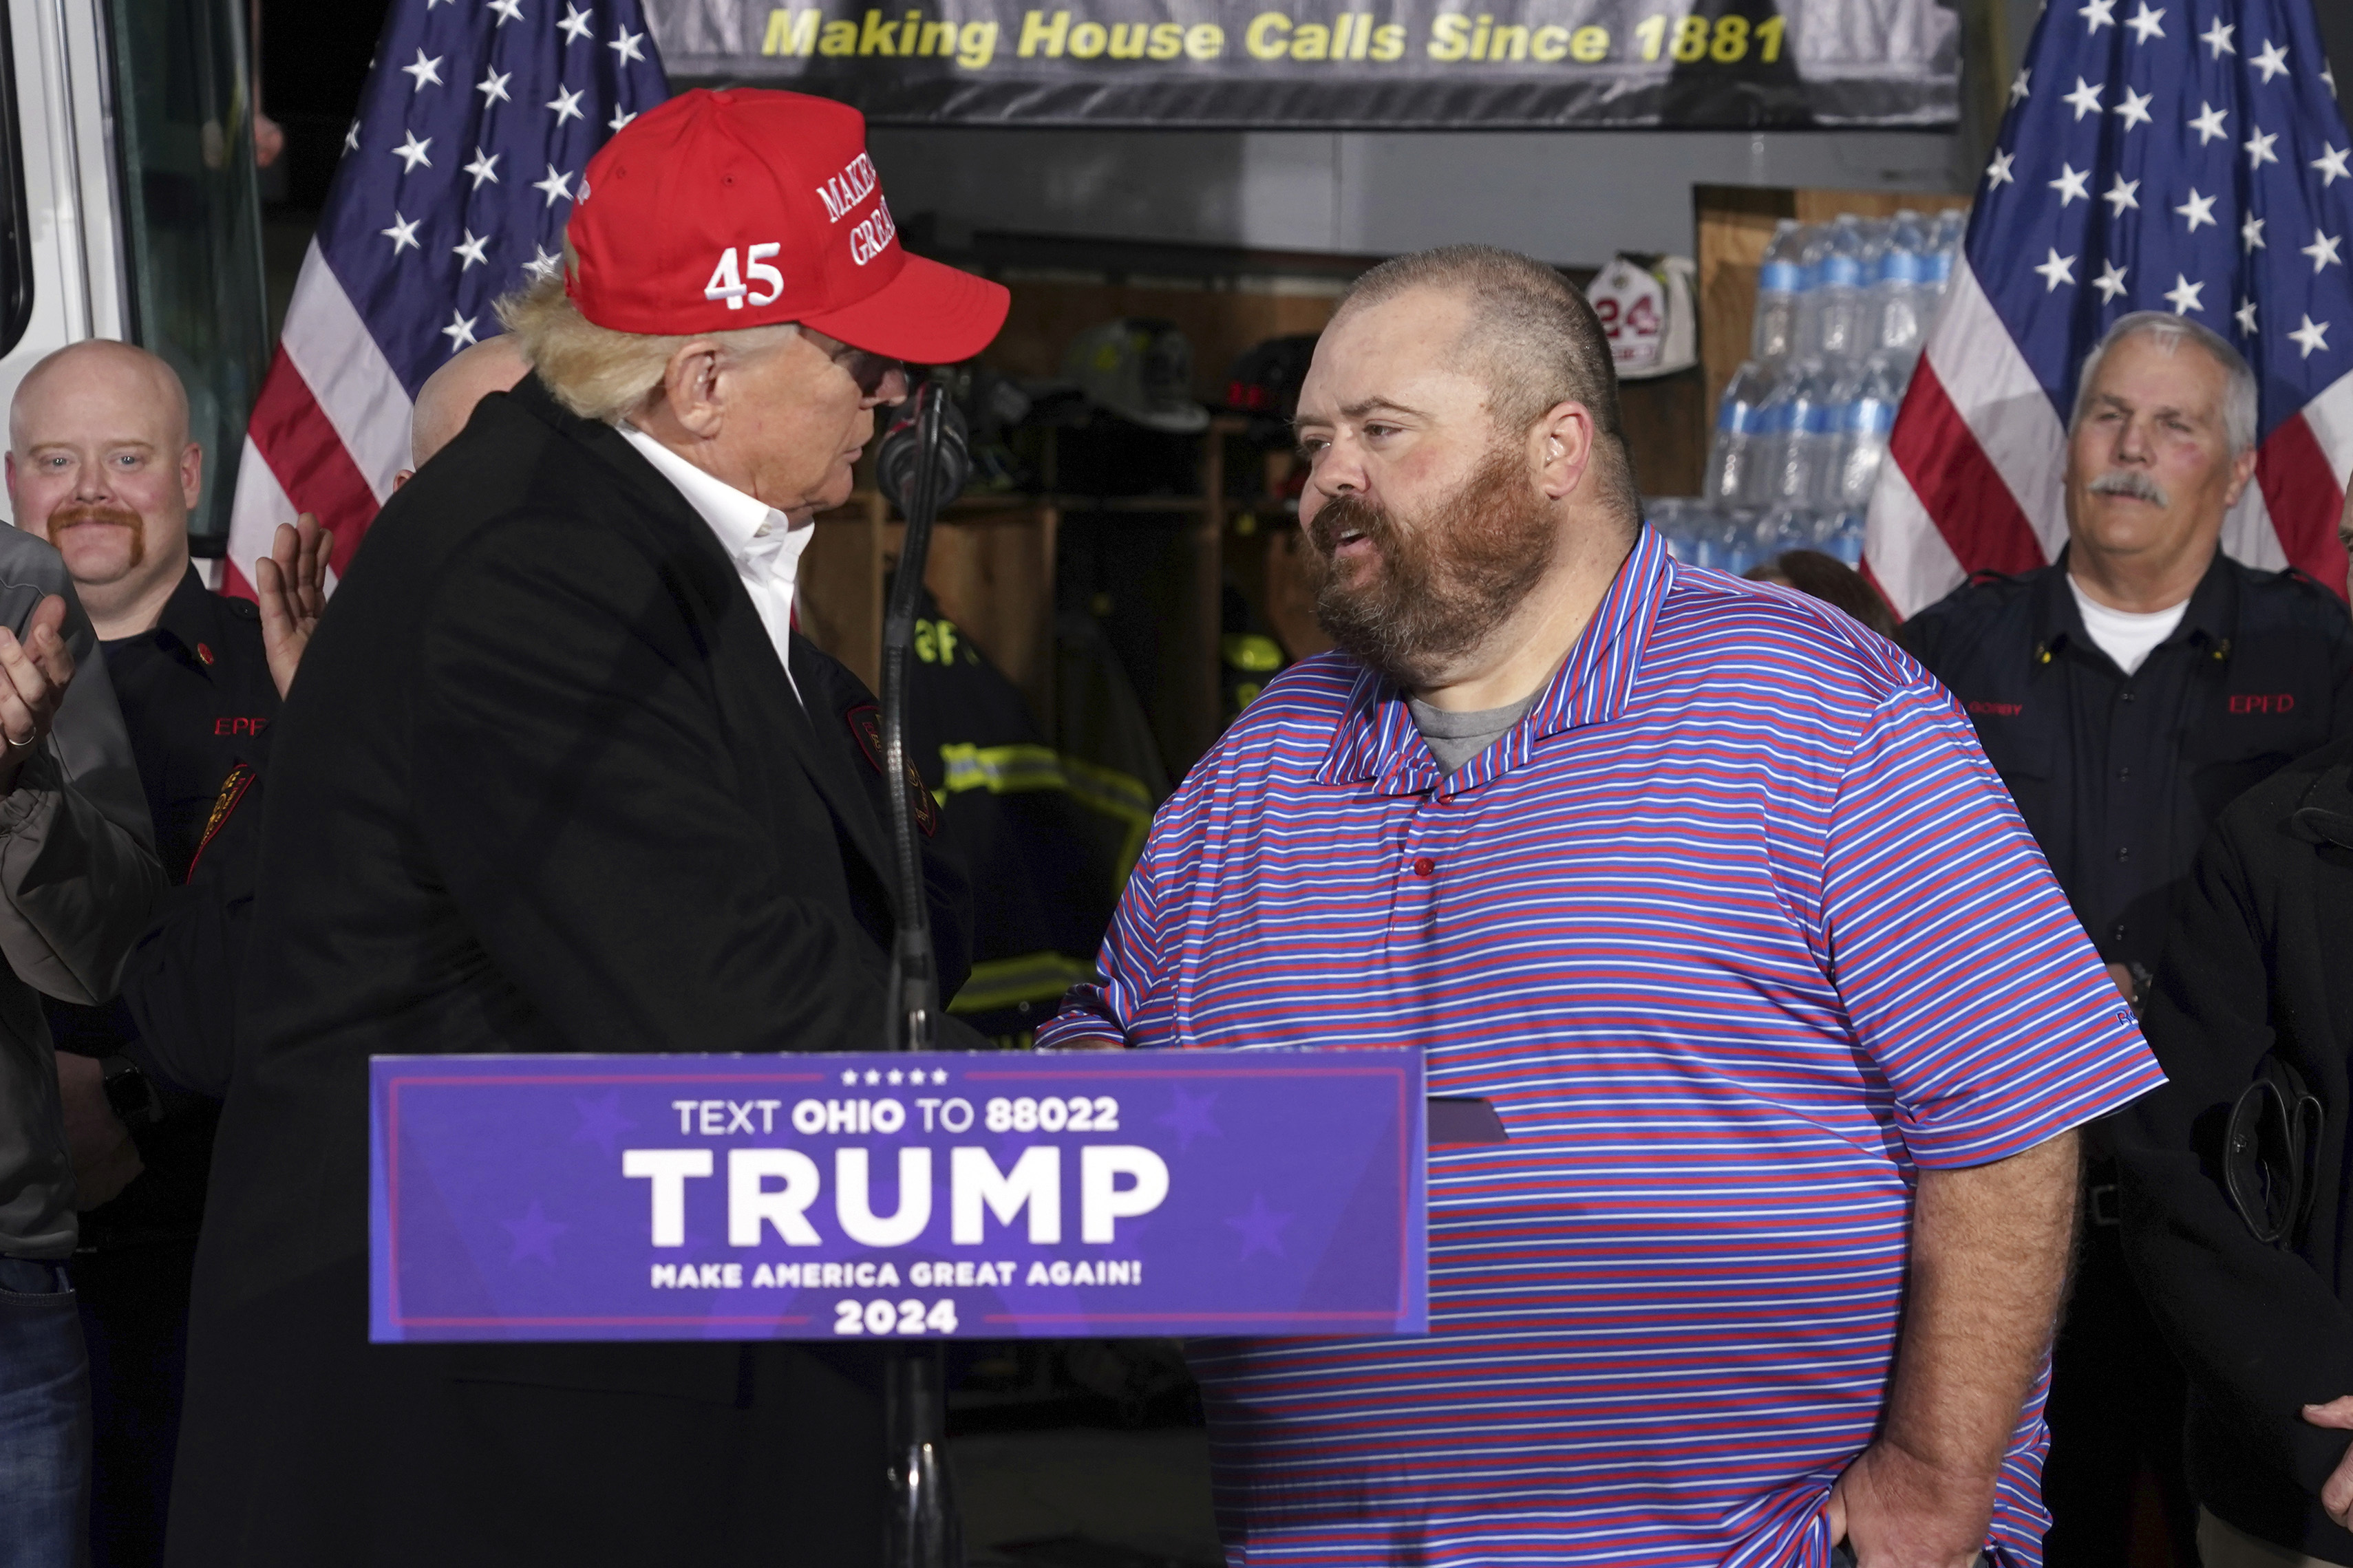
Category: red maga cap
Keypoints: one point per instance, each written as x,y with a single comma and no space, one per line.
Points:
746,207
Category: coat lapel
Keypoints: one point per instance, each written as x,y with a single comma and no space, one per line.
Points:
827,765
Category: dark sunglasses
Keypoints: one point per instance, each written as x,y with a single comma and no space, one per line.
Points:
869,371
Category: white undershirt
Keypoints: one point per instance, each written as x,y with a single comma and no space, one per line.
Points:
762,541
2124,635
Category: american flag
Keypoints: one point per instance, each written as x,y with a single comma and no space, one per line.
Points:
477,121
2188,156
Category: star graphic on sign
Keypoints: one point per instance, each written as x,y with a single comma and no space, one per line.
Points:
848,1075
872,1076
940,1075
2110,282
601,1122
2258,147
2098,14
1997,171
624,46
427,72
2252,233
2057,271
894,1078
2072,185
2144,24
566,105
508,10
2331,165
471,250
2208,123
2218,38
2271,61
2310,336
459,331
2184,296
2135,108
2198,209
618,118
351,138
533,1235
493,86
2018,93
575,25
1190,1119
2084,100
2323,250
403,233
412,151
2120,197
2245,316
485,166
555,186
1261,1228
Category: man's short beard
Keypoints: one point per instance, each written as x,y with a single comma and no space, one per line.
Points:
1437,587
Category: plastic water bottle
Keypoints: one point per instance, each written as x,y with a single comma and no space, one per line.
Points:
1843,539
1944,247
1780,286
1835,303
1866,400
1902,303
1740,448
1809,440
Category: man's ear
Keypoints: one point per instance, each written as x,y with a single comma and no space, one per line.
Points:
1565,438
691,386
2242,469
191,475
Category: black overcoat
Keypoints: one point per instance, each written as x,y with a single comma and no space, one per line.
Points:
2260,964
542,785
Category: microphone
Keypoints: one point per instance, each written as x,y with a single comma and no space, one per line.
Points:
898,460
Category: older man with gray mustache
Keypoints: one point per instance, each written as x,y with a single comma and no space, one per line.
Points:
2127,693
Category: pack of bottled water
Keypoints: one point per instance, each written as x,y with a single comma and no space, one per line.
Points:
1731,538
1842,312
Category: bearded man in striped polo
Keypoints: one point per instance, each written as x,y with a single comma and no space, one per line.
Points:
1712,893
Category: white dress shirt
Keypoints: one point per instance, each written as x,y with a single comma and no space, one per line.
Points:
763,544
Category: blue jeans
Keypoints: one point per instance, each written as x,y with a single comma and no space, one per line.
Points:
45,1421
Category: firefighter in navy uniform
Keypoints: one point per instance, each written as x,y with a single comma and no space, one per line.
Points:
109,477
2125,694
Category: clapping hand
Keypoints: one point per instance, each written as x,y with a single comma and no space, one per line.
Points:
35,670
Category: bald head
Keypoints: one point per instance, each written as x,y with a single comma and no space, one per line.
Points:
103,366
447,399
99,464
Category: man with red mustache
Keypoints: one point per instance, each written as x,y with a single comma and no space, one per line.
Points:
100,465
1661,863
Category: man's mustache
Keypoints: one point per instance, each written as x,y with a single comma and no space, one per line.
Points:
1346,515
74,516
2130,482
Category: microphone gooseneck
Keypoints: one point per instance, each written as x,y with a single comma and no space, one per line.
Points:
923,460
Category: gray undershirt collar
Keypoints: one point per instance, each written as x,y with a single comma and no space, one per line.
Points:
1455,738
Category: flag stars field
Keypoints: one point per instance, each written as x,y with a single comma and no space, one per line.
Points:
437,217
2242,193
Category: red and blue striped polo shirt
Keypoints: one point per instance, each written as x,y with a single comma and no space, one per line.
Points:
1738,931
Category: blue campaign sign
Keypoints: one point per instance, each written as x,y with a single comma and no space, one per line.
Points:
980,1196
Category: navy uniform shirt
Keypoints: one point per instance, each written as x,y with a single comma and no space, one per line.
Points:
198,701
2120,776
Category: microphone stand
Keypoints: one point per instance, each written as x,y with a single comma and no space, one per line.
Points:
923,1530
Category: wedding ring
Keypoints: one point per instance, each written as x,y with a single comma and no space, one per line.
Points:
14,742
